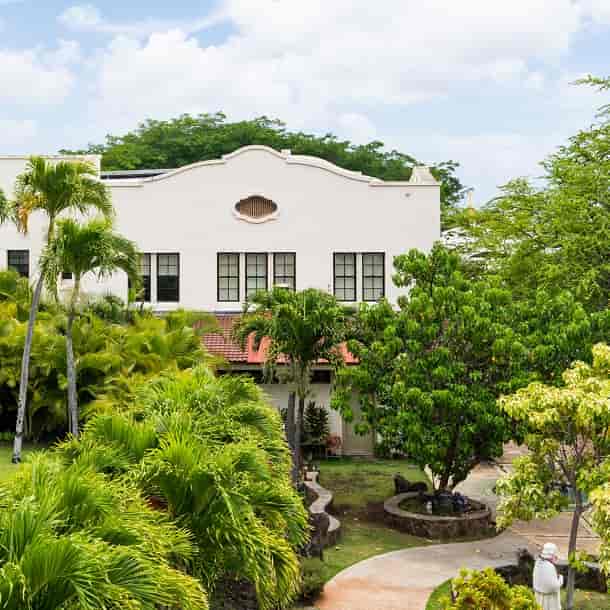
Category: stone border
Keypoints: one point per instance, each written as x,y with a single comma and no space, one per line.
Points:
437,527
321,499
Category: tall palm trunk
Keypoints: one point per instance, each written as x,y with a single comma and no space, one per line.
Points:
290,437
24,379
71,366
298,433
25,371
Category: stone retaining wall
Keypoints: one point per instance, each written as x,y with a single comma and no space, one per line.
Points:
321,499
435,527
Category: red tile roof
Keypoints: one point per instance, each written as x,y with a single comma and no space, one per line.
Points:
222,344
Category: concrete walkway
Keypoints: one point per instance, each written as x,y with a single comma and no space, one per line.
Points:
404,580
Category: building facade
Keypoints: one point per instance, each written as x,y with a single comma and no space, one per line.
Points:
214,232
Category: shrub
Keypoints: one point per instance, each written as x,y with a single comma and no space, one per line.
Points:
312,580
487,590
316,425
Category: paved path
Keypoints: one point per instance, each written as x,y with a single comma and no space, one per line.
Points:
404,580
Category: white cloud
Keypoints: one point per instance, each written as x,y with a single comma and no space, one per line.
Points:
37,76
341,66
88,18
310,60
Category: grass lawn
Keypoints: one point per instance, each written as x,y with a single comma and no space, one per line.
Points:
585,600
7,470
360,486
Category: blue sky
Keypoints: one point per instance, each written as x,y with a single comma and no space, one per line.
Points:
484,83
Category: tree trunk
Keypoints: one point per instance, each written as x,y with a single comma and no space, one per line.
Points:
25,372
290,436
298,435
71,366
572,549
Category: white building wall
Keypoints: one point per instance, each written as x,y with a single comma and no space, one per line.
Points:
320,393
322,209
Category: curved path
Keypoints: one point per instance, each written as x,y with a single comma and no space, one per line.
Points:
404,580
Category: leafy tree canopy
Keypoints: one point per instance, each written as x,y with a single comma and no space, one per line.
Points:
555,236
187,139
430,373
568,435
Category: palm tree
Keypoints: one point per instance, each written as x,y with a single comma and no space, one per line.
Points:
5,208
302,328
93,247
71,537
51,189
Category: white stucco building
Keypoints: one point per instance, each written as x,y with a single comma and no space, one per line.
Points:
213,232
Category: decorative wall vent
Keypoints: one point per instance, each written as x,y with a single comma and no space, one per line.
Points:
256,209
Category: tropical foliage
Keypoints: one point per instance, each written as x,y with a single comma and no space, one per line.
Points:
77,249
568,435
299,329
110,356
187,139
430,373
486,590
71,537
555,236
50,189
210,451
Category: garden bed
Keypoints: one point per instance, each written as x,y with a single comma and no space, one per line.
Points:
359,487
473,524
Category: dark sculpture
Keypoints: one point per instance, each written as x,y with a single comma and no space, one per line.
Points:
403,486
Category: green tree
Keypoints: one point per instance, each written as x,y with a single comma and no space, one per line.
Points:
93,247
188,139
486,590
568,435
430,373
301,328
74,538
50,189
5,208
210,451
555,236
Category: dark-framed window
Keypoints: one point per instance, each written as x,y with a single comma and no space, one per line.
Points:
19,261
344,276
285,269
168,278
373,276
228,276
144,265
66,275
256,272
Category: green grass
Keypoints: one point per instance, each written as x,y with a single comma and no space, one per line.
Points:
8,470
439,594
585,600
360,487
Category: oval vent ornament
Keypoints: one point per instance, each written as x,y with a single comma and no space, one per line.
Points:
256,209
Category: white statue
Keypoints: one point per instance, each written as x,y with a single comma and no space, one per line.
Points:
547,583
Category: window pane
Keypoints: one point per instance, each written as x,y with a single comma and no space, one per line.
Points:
284,269
228,277
344,280
373,276
256,273
168,281
19,261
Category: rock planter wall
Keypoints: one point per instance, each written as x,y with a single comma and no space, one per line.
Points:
320,500
435,527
